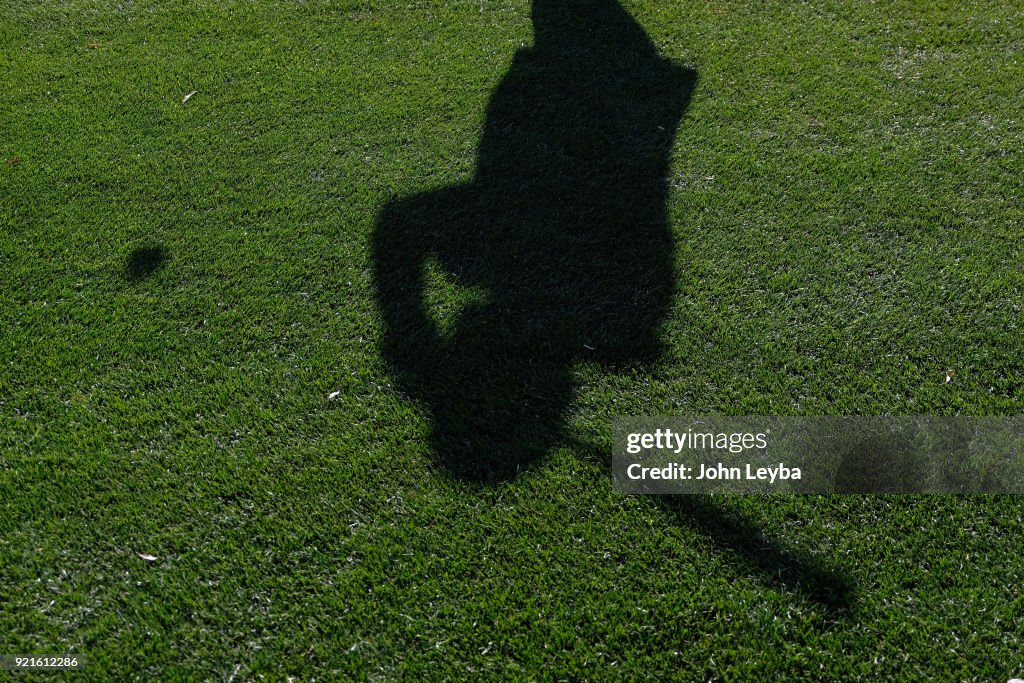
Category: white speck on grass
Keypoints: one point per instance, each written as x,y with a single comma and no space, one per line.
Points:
185,98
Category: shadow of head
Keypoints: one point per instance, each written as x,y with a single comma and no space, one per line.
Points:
144,261
557,252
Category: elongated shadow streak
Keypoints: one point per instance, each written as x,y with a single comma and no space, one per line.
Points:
778,565
741,538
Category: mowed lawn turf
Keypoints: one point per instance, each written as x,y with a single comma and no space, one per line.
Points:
191,337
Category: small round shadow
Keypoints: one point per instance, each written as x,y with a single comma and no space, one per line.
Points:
144,261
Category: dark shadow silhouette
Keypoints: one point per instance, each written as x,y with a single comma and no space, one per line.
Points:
144,261
563,227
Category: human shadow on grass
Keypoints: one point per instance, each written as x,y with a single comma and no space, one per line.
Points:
557,251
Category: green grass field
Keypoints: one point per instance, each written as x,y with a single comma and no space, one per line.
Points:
340,348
